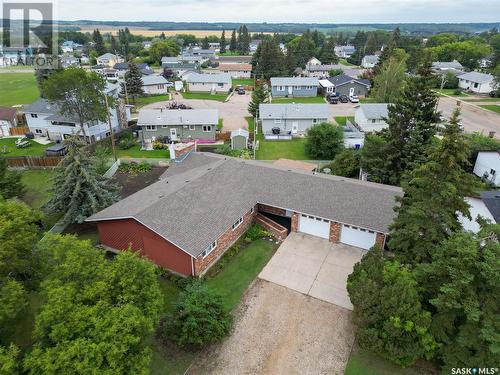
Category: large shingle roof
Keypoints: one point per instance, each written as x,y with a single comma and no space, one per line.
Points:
344,79
476,77
178,117
210,78
293,111
193,207
294,81
153,80
374,111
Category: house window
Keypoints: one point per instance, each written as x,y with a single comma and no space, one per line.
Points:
38,131
34,115
373,121
192,127
493,172
238,223
315,121
161,86
108,134
277,121
164,126
220,84
150,127
207,128
281,88
209,249
476,85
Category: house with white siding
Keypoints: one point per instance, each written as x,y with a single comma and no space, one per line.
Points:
215,83
487,166
371,117
479,83
154,85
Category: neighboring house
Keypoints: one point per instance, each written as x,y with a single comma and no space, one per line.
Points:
313,61
237,70
68,60
487,166
215,83
291,119
294,86
8,120
369,61
346,85
99,69
476,82
154,85
110,74
235,59
69,46
319,70
178,124
239,139
214,46
344,51
179,67
207,54
108,59
45,120
203,203
84,59
487,206
147,44
254,44
123,67
371,117
447,66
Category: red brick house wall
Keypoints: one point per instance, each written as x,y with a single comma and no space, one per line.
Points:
271,210
120,234
334,232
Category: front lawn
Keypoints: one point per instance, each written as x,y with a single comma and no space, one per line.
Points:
274,150
452,92
8,147
18,88
306,100
144,100
204,96
368,100
136,152
232,282
491,107
242,81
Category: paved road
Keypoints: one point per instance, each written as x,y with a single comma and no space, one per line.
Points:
474,118
233,112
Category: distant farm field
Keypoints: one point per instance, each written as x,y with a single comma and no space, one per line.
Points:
18,88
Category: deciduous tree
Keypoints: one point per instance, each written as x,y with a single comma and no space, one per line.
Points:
324,141
10,182
163,48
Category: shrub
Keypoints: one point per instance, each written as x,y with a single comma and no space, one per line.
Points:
324,141
126,141
101,158
199,318
255,232
134,168
157,145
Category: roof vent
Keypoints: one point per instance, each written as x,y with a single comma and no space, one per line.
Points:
161,196
187,180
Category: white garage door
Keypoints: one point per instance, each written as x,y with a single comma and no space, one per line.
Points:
358,237
315,226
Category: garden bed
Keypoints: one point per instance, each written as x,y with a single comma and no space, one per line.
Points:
132,183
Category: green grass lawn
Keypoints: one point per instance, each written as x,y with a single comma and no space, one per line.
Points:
341,120
18,88
363,362
204,96
240,271
37,183
251,123
480,99
144,100
9,145
136,152
345,62
220,124
368,100
451,92
491,107
274,150
242,81
313,99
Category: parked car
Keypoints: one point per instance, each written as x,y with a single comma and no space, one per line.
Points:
332,99
495,93
354,99
344,99
241,91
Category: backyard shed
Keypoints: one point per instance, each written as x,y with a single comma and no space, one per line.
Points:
239,139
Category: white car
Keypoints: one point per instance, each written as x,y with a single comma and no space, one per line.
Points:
354,99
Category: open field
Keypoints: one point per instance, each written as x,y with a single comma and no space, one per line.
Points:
18,88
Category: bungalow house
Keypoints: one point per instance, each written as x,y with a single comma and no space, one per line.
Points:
67,60
45,120
344,51
284,121
108,59
179,67
237,70
147,44
153,85
69,46
203,203
8,120
178,124
294,86
122,68
486,206
371,117
215,83
319,70
349,86
206,54
479,83
487,166
313,61
443,67
110,74
369,61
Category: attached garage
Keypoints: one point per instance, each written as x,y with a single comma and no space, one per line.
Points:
314,226
359,237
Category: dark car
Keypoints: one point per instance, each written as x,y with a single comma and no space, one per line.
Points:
344,99
333,99
241,91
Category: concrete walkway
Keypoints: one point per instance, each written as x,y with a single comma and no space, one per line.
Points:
314,266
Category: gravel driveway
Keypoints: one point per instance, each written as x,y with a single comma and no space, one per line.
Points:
280,331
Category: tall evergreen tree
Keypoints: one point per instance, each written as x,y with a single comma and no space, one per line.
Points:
434,194
245,41
233,44
114,45
205,44
223,42
259,96
133,80
99,43
327,52
123,38
239,39
79,190
268,60
392,44
10,182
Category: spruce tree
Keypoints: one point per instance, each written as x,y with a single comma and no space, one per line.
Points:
233,44
114,45
258,96
79,190
133,80
99,43
223,42
205,44
434,194
327,53
10,182
239,40
245,40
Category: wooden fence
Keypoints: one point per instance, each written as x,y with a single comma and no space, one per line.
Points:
20,130
33,161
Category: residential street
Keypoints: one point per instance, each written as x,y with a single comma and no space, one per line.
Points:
474,119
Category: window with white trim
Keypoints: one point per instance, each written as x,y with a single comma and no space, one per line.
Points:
209,249
277,121
38,131
192,127
207,128
315,120
34,115
150,127
238,223
280,88
164,126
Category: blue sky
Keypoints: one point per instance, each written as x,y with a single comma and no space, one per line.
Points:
321,11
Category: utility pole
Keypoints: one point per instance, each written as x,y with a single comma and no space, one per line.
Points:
110,127
125,87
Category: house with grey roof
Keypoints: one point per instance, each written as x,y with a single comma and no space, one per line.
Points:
344,51
369,61
447,66
108,59
371,117
319,70
214,83
155,85
479,83
288,120
294,86
203,203
178,124
349,86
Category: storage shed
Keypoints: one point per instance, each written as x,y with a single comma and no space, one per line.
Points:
239,139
